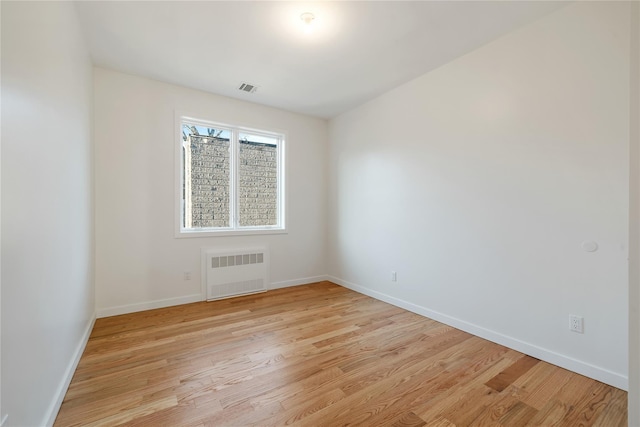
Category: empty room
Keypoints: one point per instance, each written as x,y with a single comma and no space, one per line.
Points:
376,213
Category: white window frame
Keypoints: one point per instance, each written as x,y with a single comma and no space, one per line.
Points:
235,228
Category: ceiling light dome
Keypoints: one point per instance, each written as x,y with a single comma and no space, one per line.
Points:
307,18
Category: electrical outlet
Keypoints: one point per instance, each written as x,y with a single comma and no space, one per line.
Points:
394,276
576,324
187,275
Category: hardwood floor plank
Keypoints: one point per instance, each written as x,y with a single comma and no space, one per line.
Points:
285,393
306,406
375,404
541,383
317,355
615,413
551,414
590,405
408,419
496,408
470,406
450,392
518,415
440,422
512,373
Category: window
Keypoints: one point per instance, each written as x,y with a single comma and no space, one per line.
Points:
230,179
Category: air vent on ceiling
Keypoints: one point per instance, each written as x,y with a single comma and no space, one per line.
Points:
246,87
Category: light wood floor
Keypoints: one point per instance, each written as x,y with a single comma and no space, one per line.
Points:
317,355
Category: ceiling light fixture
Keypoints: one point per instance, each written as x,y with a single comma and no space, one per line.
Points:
307,17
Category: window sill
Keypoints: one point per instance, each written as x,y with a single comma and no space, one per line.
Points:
182,234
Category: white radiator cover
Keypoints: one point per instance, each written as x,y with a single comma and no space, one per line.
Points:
230,273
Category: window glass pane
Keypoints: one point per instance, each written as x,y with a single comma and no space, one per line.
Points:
206,201
258,181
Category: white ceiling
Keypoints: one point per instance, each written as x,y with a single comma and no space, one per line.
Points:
356,50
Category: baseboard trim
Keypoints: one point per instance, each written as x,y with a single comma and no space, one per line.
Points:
597,373
298,282
149,305
188,299
54,408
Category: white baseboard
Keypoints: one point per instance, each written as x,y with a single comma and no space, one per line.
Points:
149,305
604,375
298,282
169,302
54,407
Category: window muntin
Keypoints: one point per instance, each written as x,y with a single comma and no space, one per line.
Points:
231,179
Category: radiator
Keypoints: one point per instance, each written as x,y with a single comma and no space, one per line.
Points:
234,272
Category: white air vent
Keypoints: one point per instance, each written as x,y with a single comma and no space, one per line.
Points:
246,87
234,272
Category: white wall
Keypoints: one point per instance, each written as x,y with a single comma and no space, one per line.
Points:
479,182
139,262
47,215
2,413
634,221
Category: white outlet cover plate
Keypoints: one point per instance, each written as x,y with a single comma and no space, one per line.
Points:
576,324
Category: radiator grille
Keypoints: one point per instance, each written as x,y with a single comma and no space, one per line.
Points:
233,260
234,273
